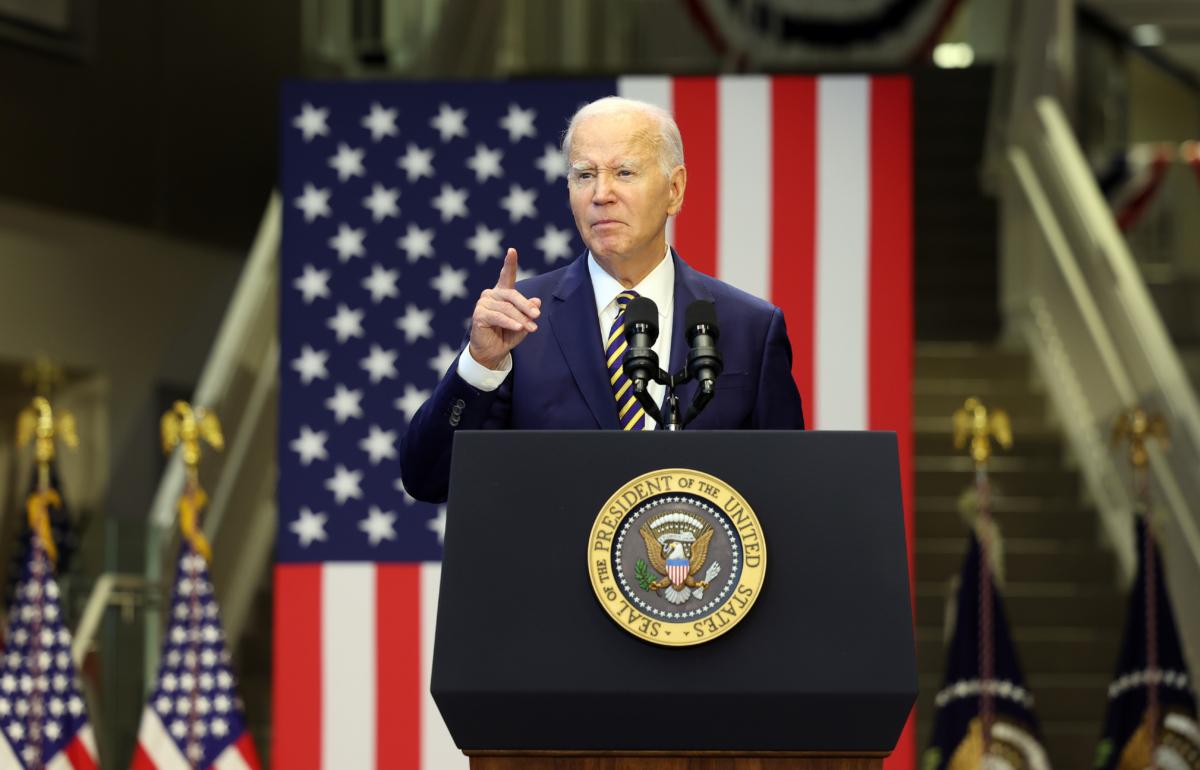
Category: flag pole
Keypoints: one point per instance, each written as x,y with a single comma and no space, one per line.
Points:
1137,427
974,421
189,428
38,424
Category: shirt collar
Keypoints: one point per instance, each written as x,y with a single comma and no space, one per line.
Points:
659,285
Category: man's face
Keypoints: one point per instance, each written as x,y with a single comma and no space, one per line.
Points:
619,194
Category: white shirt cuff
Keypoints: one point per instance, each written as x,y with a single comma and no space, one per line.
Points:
479,376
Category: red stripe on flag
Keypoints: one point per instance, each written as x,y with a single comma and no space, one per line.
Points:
398,690
245,747
890,331
79,757
141,760
296,729
694,100
794,222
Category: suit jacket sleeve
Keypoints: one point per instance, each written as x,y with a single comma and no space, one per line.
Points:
427,444
778,403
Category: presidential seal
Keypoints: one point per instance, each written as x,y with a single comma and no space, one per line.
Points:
677,557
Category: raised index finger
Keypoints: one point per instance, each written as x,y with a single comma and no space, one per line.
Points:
508,273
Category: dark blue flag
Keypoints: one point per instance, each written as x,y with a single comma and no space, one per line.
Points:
957,740
1127,736
61,531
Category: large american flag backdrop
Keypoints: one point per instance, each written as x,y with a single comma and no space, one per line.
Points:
400,199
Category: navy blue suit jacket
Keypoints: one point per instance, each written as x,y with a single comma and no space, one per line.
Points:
559,381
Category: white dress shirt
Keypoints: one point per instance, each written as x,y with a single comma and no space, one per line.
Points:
659,286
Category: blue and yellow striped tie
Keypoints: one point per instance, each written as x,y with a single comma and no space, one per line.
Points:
630,413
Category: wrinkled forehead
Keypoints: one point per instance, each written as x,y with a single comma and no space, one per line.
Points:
613,140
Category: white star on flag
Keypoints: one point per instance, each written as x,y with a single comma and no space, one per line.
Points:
485,163
380,364
417,243
438,524
379,525
314,283
555,244
442,361
344,403
518,123
348,242
450,122
412,400
308,526
485,243
381,283
552,163
310,445
382,203
348,162
416,162
519,203
314,202
416,323
380,122
379,445
344,484
346,324
450,283
311,364
311,121
451,203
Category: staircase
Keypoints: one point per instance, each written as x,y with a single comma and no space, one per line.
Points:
1060,590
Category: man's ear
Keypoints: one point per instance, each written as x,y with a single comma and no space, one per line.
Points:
677,183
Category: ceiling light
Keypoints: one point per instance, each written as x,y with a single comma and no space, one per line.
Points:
1147,35
953,55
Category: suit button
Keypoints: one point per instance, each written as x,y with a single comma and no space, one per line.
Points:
460,405
454,420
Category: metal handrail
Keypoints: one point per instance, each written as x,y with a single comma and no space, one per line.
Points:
1083,308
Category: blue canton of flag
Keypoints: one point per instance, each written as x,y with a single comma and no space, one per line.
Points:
42,714
399,203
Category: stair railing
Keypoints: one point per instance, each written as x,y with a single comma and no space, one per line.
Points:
1075,295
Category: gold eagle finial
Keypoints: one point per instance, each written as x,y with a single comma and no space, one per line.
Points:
189,427
1137,427
976,422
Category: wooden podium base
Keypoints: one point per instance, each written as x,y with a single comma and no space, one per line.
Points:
697,761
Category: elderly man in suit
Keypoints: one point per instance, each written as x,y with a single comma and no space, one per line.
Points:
544,353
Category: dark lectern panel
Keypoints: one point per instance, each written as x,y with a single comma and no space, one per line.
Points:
526,658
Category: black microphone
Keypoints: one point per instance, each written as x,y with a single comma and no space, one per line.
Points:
704,363
641,330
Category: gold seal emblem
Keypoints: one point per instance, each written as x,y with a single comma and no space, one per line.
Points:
677,557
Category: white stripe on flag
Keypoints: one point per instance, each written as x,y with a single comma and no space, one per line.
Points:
744,183
231,759
58,762
348,665
158,746
654,90
88,737
843,221
438,751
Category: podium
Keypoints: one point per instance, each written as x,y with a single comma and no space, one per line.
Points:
530,671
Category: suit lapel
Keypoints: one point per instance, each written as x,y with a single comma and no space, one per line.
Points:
573,320
688,289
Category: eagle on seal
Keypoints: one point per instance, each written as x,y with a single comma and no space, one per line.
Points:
670,558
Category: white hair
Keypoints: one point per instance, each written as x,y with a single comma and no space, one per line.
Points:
668,144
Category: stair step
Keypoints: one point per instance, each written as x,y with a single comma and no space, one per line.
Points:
1044,445
1063,524
1025,560
1060,650
1051,482
1035,605
969,360
1025,406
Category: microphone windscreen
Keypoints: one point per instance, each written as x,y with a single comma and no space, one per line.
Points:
701,313
642,310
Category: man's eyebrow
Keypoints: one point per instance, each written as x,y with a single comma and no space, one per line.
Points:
582,165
